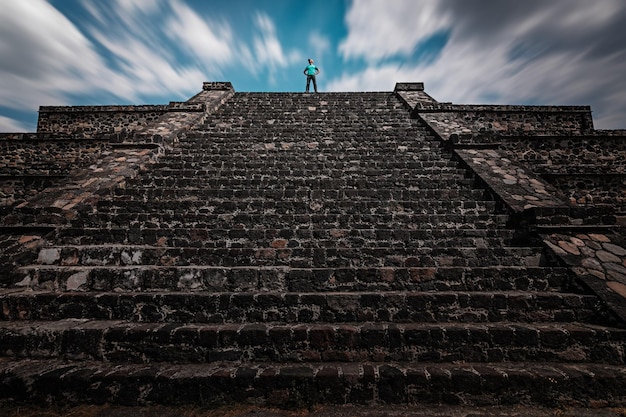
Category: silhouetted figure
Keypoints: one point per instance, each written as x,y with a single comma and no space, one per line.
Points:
311,71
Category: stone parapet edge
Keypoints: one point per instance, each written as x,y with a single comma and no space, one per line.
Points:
605,273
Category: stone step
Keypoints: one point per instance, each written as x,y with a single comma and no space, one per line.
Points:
342,104
546,218
305,125
126,342
412,211
35,217
258,237
233,116
367,177
308,133
288,147
302,307
298,172
310,119
212,278
412,188
385,110
305,385
254,143
276,153
199,161
300,188
187,168
281,254
327,133
198,214
292,201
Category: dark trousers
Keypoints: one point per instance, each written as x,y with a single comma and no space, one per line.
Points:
308,82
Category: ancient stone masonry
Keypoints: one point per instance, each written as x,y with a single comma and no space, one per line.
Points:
48,175
483,124
550,163
89,121
30,162
292,249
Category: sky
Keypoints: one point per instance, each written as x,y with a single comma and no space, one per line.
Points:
97,52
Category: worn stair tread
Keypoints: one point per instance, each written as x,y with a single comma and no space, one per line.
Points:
297,256
548,370
324,236
401,195
318,231
465,321
423,333
455,250
201,214
284,278
305,384
123,341
267,306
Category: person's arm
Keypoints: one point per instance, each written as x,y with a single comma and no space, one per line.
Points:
317,70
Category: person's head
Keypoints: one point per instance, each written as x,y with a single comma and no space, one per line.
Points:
310,61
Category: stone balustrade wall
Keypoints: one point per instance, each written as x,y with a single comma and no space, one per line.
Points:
601,154
587,169
557,143
90,121
486,124
31,162
18,189
592,189
47,157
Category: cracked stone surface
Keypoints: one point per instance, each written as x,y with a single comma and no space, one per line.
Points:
596,255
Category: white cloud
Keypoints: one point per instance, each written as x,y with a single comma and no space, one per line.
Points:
379,78
558,52
378,29
44,55
8,125
146,6
130,49
268,49
319,44
212,42
163,48
267,46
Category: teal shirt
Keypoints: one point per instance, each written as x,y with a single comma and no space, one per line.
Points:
310,70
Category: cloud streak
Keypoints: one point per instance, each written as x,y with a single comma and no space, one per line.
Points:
379,29
42,52
536,52
466,51
128,51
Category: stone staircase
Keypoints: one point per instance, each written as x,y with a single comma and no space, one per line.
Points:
299,249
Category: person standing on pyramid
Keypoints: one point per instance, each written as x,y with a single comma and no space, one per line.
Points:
311,71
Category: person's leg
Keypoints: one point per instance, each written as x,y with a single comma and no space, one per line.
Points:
314,83
308,82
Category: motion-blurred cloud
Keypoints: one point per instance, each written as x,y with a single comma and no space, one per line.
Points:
80,52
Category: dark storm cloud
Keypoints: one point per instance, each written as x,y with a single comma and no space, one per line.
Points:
497,51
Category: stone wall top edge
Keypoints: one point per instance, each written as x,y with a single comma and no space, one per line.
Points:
104,109
18,136
217,85
319,94
450,108
409,86
56,137
611,132
560,136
